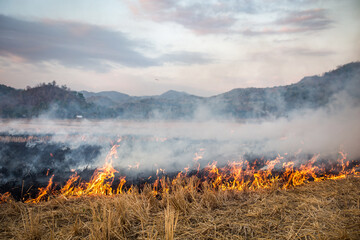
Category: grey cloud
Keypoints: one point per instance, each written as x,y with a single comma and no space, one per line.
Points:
214,17
69,43
312,19
201,17
294,22
72,44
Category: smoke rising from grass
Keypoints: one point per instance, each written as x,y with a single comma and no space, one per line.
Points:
173,145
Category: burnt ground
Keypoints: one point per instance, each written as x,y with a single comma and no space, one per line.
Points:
27,162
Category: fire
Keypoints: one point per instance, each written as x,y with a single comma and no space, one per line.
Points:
99,184
234,176
43,192
5,197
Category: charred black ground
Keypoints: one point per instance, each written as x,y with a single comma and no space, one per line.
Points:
28,162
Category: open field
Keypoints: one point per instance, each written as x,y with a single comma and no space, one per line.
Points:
295,195
317,210
179,120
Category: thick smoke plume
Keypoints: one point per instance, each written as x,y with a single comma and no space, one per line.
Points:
173,145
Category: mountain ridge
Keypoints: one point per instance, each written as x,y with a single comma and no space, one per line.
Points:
239,103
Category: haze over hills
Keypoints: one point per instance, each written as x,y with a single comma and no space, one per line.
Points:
309,93
50,100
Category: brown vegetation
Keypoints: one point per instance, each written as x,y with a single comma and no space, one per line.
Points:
318,210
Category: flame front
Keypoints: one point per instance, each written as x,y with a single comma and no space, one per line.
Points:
236,175
99,184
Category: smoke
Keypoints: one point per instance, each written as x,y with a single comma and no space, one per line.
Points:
318,115
173,145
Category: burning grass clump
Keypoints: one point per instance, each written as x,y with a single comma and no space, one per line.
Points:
317,210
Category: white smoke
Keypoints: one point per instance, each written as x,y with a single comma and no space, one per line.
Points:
172,145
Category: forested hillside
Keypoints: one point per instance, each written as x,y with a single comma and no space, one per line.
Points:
50,100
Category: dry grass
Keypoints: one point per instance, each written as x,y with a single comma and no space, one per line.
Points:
322,210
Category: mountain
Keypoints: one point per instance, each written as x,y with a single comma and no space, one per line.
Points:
105,98
171,94
45,98
309,93
5,90
112,95
242,103
169,105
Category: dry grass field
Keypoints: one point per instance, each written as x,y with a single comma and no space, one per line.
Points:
317,210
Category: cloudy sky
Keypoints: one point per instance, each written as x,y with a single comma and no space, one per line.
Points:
144,47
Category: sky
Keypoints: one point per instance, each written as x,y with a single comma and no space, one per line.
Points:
143,47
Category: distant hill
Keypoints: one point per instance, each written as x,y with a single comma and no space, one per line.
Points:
171,104
105,98
45,98
241,103
171,94
310,93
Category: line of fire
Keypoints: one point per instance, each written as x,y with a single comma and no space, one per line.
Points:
242,175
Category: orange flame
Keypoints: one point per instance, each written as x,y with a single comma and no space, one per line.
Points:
44,193
238,175
99,184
